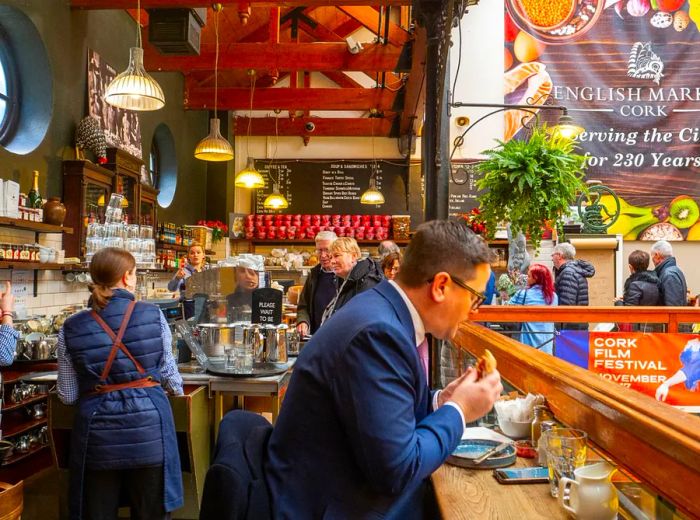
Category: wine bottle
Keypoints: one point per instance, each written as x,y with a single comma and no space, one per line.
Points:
34,199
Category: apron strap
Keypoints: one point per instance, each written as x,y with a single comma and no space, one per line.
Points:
117,338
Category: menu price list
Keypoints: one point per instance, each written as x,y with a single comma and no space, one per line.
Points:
332,186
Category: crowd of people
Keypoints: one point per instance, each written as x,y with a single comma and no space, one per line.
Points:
359,422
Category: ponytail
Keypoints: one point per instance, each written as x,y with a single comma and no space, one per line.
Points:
107,268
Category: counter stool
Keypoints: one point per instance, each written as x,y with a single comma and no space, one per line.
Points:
11,500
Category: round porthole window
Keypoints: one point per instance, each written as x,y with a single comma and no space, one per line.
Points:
26,92
163,164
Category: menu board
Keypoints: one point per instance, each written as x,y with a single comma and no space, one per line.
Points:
333,186
462,189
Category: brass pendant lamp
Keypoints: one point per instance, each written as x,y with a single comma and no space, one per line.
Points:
275,200
135,89
249,177
372,195
214,147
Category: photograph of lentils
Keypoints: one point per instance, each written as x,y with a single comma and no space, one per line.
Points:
555,21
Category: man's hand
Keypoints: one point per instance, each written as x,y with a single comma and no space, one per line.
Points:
475,398
303,329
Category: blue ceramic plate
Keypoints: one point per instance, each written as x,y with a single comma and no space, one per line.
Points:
470,449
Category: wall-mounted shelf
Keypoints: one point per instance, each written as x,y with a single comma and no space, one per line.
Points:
16,457
178,247
37,227
21,427
8,407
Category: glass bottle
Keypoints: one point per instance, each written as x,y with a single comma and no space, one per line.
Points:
542,413
34,199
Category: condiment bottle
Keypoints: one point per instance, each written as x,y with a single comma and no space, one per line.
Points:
545,426
541,413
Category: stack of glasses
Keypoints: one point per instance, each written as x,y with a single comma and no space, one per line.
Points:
138,240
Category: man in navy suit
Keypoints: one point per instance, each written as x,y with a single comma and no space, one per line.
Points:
359,433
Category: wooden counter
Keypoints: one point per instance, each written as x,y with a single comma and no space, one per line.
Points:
475,495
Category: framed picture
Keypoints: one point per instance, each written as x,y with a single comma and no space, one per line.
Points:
121,127
236,225
146,176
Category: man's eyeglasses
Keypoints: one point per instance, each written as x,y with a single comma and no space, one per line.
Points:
480,297
323,251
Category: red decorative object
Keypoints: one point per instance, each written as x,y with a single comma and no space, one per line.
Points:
475,221
219,229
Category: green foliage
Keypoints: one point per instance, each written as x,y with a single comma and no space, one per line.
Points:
528,183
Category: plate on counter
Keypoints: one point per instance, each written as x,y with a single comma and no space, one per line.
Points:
259,369
470,449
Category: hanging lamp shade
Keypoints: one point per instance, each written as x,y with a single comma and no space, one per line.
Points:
135,89
275,200
567,128
249,177
214,147
372,195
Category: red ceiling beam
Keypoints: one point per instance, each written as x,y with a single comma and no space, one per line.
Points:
164,4
282,56
325,127
370,19
291,98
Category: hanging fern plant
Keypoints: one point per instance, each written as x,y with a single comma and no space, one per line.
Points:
528,183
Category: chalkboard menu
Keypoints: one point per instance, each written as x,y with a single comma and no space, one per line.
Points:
333,186
463,190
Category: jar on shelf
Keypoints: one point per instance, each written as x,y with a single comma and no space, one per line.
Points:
541,414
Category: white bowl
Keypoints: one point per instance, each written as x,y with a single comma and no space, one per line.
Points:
515,430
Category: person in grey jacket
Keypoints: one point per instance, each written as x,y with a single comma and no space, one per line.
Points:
672,281
571,280
319,288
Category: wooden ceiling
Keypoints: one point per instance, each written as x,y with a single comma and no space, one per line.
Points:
285,43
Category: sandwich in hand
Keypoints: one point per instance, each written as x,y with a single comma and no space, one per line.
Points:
486,364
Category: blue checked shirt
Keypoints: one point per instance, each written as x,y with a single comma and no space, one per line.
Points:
8,343
67,382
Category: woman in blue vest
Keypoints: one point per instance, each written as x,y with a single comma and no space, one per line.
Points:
115,362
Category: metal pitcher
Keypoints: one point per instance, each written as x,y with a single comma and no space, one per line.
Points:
253,339
275,344
215,337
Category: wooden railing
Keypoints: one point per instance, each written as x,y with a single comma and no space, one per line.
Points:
656,442
671,316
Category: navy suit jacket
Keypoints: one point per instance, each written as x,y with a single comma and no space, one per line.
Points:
355,437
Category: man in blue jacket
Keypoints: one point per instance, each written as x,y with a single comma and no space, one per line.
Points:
360,433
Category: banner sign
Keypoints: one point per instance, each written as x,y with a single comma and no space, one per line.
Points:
629,72
664,366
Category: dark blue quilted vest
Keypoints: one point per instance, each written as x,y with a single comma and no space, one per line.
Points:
124,428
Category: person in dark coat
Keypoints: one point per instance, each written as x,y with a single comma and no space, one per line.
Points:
571,280
319,288
360,432
672,280
115,362
641,288
353,274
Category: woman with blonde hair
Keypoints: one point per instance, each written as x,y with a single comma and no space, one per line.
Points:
354,274
115,362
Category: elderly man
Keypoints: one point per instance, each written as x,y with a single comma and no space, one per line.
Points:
319,288
387,246
671,279
360,433
570,280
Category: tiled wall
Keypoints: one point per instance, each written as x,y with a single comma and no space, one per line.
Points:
53,291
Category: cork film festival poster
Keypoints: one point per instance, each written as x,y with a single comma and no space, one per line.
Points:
629,72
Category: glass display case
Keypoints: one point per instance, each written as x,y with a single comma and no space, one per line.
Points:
149,197
127,181
86,188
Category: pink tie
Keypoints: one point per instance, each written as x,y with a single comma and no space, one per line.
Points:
423,354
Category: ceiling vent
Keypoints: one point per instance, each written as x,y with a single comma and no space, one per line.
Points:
176,31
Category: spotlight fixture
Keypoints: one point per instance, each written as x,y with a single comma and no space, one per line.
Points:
372,195
354,47
214,147
135,89
275,200
249,177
